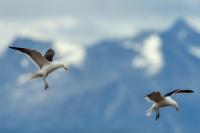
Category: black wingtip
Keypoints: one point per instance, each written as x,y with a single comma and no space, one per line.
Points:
12,47
188,91
191,91
16,48
185,91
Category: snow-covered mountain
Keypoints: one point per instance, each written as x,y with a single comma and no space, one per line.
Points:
106,93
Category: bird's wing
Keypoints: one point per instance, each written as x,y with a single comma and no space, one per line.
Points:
49,55
34,55
154,97
178,91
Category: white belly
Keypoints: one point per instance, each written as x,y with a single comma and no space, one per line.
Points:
163,104
167,102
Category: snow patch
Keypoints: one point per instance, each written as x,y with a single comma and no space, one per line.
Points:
115,104
195,51
70,52
150,56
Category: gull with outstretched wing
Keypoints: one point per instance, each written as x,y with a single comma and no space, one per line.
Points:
163,101
44,63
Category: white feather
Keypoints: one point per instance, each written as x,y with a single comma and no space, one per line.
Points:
151,110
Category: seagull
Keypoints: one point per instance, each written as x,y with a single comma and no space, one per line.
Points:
163,101
44,63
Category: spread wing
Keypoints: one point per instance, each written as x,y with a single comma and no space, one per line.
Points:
49,55
154,97
34,55
178,91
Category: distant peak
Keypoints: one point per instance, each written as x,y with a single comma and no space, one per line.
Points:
181,24
181,21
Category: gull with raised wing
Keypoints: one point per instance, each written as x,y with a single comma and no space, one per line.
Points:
163,101
44,63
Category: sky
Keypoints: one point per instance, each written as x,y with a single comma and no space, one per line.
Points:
85,22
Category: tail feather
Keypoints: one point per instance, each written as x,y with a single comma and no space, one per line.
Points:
35,76
151,110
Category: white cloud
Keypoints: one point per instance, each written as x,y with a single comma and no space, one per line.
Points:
7,32
48,28
150,55
57,30
68,28
40,29
69,34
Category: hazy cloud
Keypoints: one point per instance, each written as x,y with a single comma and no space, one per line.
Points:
85,22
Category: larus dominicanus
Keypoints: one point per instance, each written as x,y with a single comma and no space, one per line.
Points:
44,63
163,101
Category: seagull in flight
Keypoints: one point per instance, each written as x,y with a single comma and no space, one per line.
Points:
44,63
163,101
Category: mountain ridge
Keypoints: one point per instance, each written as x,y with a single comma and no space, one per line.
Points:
107,92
